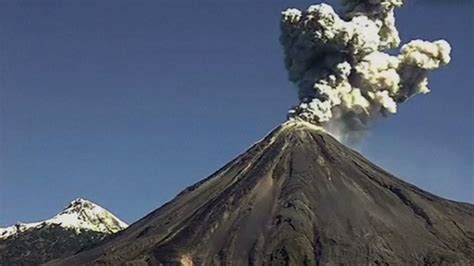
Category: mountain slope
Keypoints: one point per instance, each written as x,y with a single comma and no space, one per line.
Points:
81,224
298,197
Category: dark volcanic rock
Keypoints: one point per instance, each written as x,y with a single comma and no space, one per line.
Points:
298,197
43,244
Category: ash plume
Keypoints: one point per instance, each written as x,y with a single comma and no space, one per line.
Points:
341,65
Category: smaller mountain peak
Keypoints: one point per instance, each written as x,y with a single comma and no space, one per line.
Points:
80,214
80,224
85,214
78,204
80,201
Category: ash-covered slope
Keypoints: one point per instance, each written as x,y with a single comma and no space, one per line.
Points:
81,224
298,197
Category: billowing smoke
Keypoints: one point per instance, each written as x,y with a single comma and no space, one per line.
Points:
341,66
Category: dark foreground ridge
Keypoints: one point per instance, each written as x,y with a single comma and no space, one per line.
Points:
298,197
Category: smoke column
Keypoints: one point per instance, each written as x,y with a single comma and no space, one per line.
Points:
341,66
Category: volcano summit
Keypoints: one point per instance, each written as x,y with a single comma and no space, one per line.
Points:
298,197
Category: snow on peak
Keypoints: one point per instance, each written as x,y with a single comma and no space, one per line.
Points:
84,214
79,215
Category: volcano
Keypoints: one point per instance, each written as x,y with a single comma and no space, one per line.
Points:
297,197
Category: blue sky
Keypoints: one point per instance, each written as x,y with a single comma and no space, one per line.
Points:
128,102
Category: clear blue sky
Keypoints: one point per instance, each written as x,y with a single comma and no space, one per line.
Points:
128,102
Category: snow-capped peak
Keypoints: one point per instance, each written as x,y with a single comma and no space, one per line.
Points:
79,215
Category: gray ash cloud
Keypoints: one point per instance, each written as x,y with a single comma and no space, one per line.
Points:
342,68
